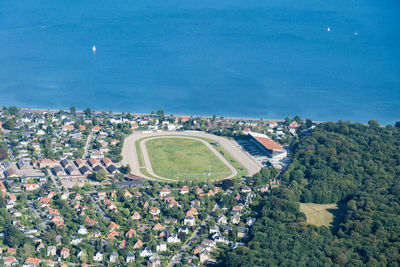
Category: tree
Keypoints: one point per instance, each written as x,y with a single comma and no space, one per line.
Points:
287,120
160,114
10,124
297,118
309,123
100,175
13,110
3,154
72,110
373,123
126,169
397,124
88,112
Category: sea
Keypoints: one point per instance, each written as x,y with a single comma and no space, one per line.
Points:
326,60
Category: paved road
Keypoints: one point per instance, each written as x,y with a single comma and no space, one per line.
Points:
86,148
130,155
97,206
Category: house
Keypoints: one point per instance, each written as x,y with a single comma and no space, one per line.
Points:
76,241
222,219
71,170
170,221
11,173
112,235
98,256
11,261
113,257
31,187
93,162
66,128
154,211
192,212
29,262
189,220
130,233
130,258
64,163
161,247
90,222
154,261
127,194
164,192
205,256
217,237
106,161
242,232
184,190
102,195
57,220
236,209
158,227
122,244
48,163
250,221
81,255
214,229
97,168
138,244
235,219
82,127
57,170
293,125
85,170
112,169
136,216
184,229
146,252
51,251
173,239
95,128
79,163
64,253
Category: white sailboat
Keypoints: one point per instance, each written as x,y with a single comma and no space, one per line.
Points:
94,49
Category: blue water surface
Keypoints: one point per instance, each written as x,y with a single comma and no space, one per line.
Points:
262,59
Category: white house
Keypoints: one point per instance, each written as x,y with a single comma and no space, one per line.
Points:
173,239
82,230
75,241
130,257
146,252
161,247
98,256
189,220
113,257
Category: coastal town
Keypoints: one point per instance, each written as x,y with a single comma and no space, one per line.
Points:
69,198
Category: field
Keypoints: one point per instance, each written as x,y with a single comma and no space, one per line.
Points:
319,214
184,158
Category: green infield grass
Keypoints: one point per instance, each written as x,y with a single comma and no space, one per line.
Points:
184,159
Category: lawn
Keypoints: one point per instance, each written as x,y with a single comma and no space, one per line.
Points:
184,158
319,214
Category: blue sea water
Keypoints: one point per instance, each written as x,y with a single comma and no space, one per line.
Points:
262,59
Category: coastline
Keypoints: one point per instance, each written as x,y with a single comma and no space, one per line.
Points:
40,110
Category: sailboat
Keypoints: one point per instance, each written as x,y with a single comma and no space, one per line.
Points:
94,49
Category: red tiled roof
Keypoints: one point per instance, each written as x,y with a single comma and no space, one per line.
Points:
268,143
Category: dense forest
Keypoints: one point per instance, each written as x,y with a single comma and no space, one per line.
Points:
354,165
